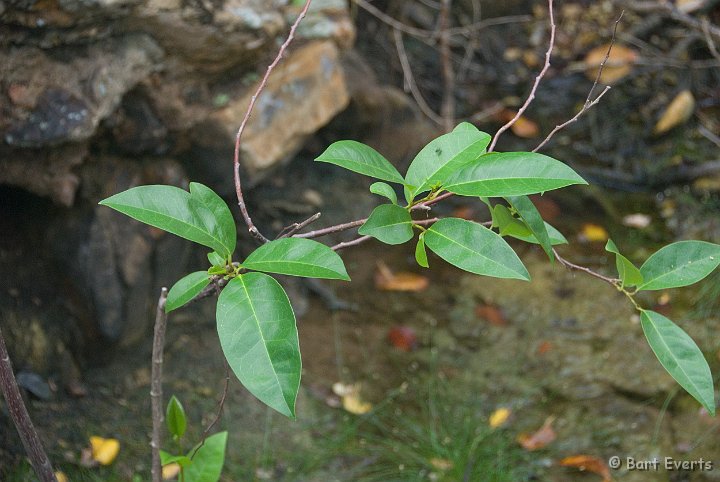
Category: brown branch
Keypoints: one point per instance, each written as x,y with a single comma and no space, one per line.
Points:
218,414
576,267
156,394
252,229
410,80
448,75
289,231
21,419
332,229
432,34
533,91
354,242
589,101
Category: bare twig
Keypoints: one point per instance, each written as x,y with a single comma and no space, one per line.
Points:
332,229
448,99
289,231
236,158
674,13
410,80
156,394
531,96
576,267
21,419
354,242
432,34
218,414
589,101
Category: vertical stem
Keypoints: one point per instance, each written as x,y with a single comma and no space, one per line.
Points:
448,101
156,395
20,417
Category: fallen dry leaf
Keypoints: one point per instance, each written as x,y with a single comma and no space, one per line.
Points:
543,436
676,113
619,63
491,314
499,417
548,209
588,463
170,471
592,233
386,280
544,347
464,212
637,220
523,127
350,396
403,338
441,464
104,450
61,477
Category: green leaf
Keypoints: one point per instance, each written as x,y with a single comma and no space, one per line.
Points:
385,190
175,417
444,155
215,259
208,461
388,223
507,224
186,289
259,337
556,237
408,192
680,356
197,216
679,264
534,221
474,248
297,257
627,272
362,159
420,253
222,213
500,174
168,458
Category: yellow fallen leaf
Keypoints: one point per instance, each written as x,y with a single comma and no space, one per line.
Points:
618,65
588,463
499,417
593,233
104,450
441,464
170,471
676,113
353,404
61,477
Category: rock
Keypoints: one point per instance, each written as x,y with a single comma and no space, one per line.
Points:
304,93
66,100
34,384
52,170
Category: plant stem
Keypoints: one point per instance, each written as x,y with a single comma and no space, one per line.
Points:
156,395
20,417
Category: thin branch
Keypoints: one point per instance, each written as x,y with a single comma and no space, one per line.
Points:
252,229
576,267
289,231
410,80
156,394
332,229
432,34
218,414
531,96
448,75
589,101
21,419
354,242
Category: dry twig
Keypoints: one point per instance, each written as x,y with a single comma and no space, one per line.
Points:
531,96
156,393
252,229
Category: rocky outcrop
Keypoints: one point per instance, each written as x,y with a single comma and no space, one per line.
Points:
97,96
